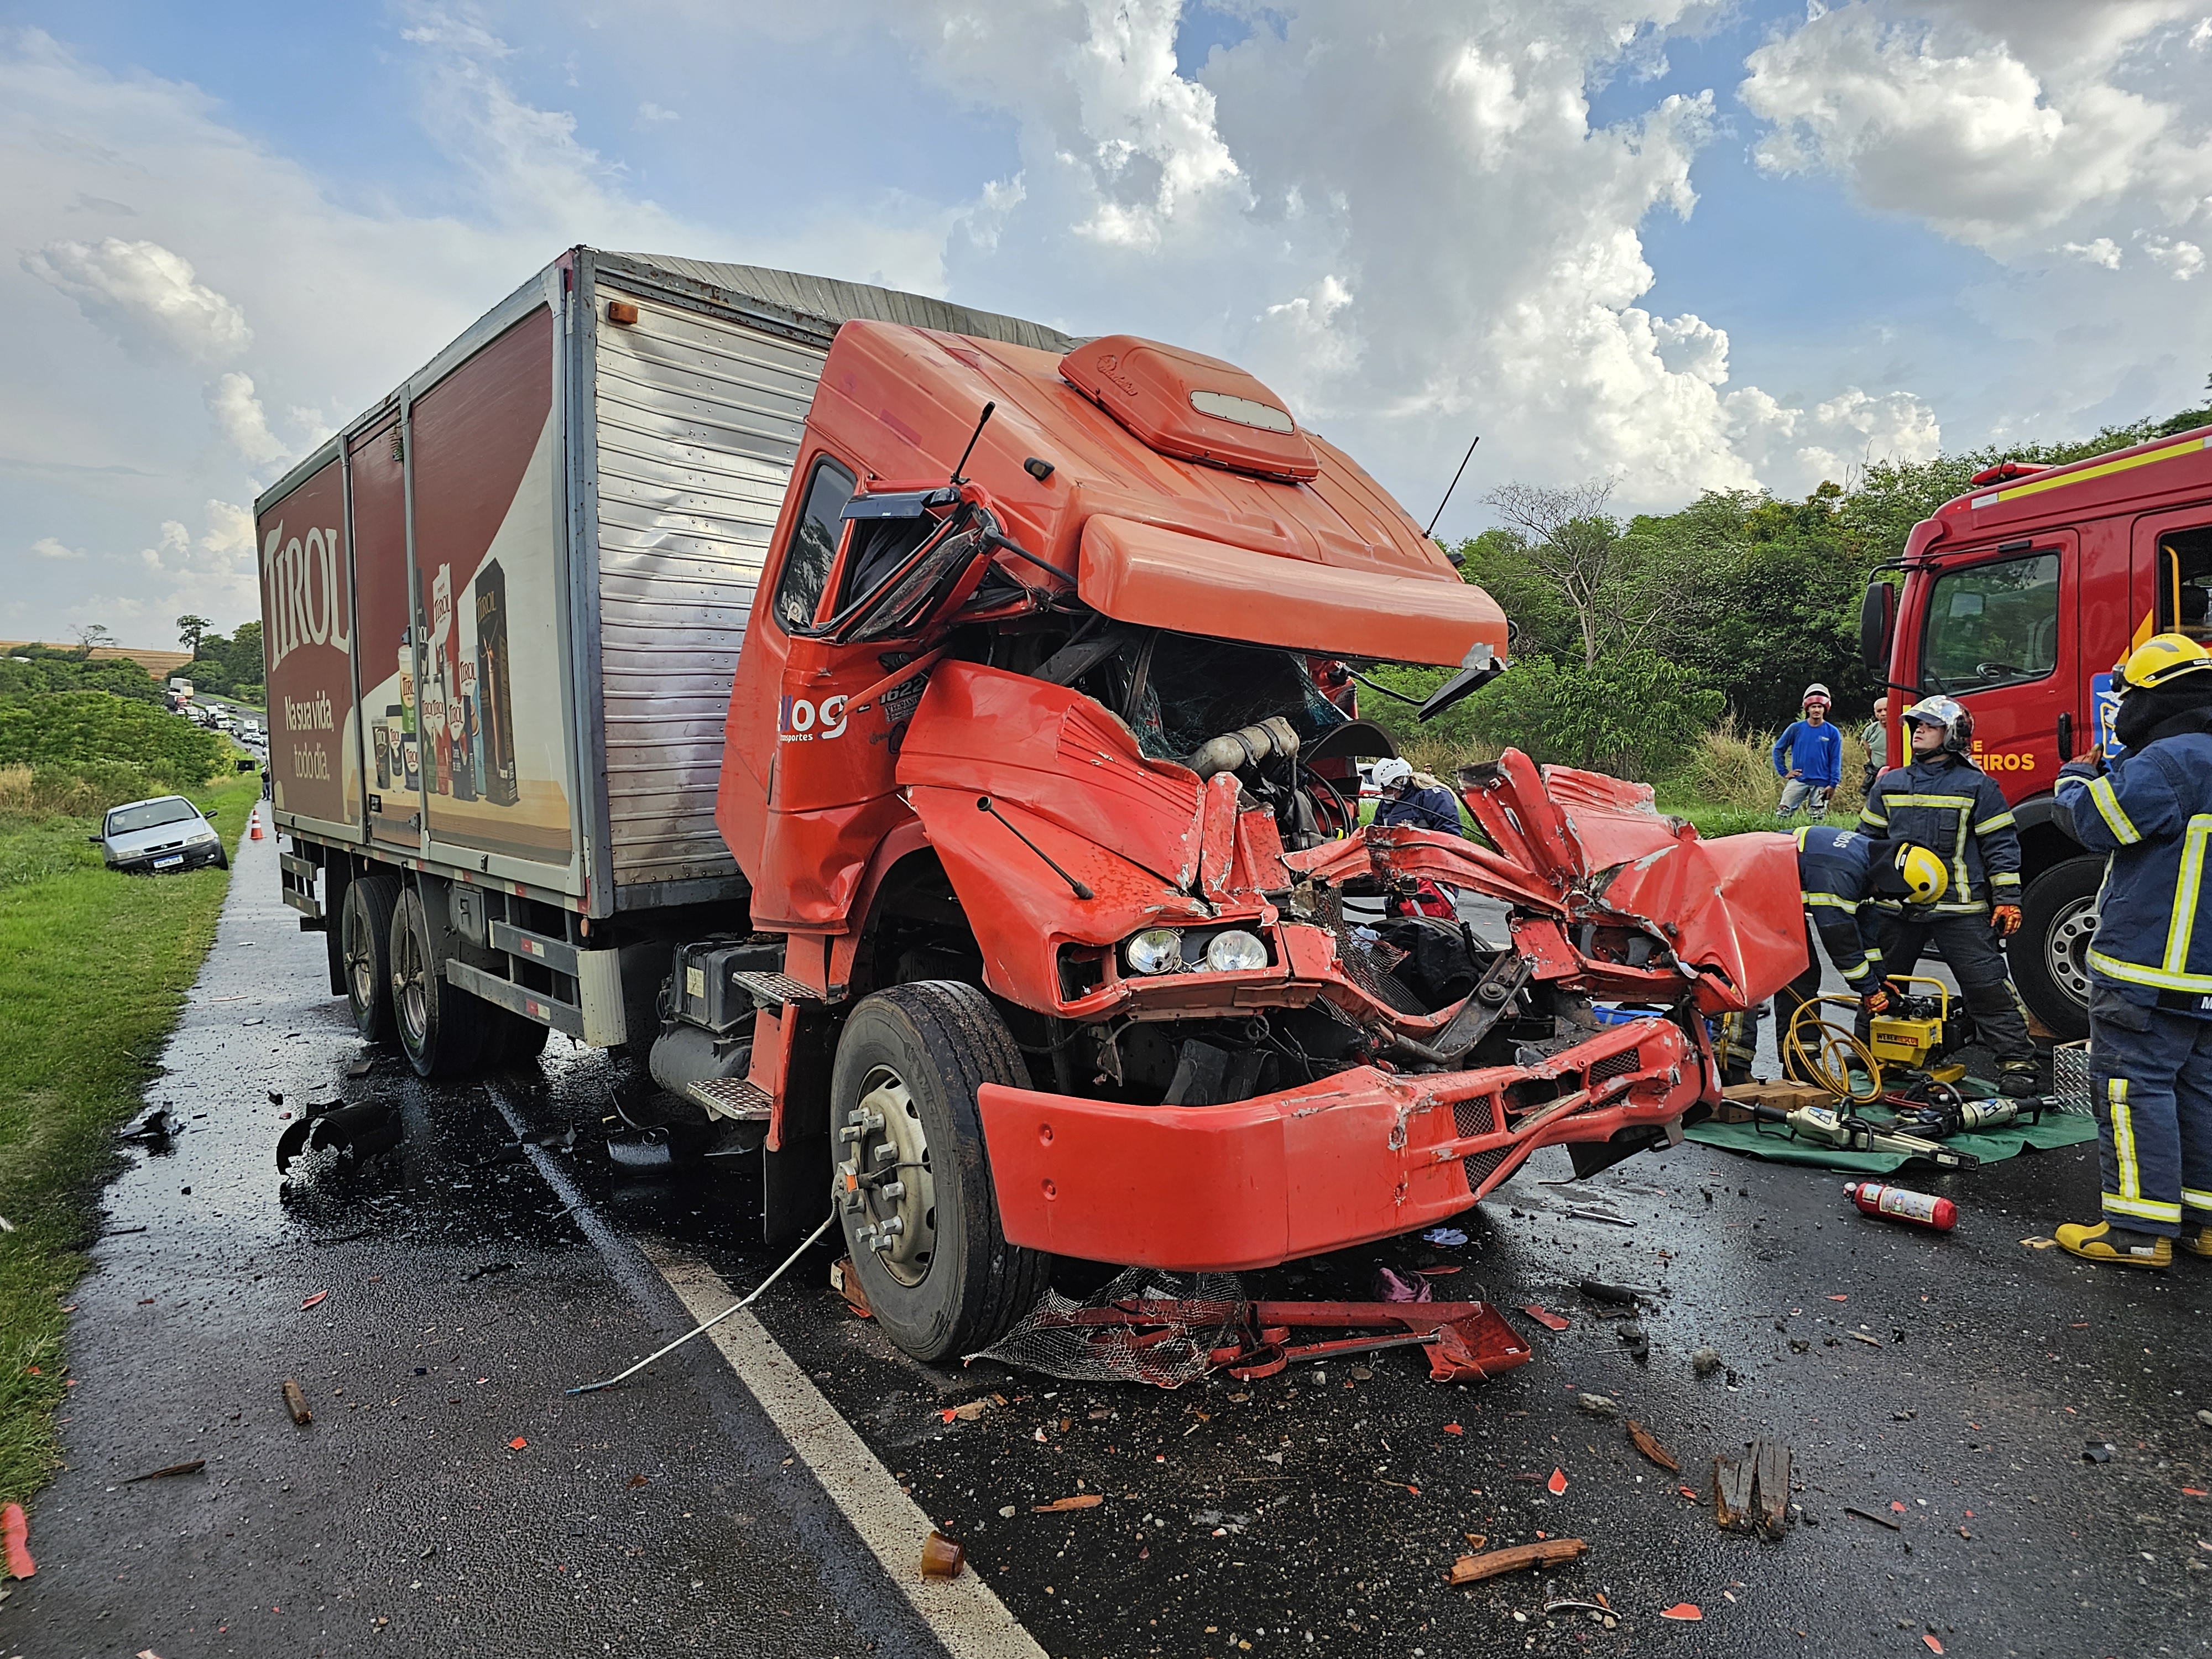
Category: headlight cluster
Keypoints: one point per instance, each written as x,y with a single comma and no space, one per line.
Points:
1160,951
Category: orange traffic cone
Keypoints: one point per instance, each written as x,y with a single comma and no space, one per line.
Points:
256,823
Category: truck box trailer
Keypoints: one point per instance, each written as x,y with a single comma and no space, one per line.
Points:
997,876
502,607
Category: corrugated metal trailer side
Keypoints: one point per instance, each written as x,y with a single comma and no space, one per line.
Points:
512,642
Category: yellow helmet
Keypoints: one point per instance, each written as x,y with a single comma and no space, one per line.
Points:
1923,874
2163,658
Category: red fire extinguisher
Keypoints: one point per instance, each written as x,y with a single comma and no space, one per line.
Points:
1897,1204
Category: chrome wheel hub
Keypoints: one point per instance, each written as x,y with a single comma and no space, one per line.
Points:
2066,948
410,990
884,1188
360,956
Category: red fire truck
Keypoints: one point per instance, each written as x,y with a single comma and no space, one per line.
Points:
2018,600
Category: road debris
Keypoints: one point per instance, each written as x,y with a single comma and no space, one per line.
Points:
845,1279
1868,1514
361,1067
15,1541
1860,1336
1598,1404
1638,1345
1082,1500
2205,1418
296,1402
518,1443
192,1467
1552,1321
966,1413
1473,1569
1445,1238
314,1301
1557,1484
942,1557
154,1124
2098,1451
354,1132
1391,1288
1688,1612
1753,1491
487,1270
1641,1437
1705,1361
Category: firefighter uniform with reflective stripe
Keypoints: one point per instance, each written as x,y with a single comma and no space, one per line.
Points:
1835,881
2150,972
1949,804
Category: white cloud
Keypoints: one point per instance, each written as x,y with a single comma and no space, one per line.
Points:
145,296
2099,251
1991,122
648,112
47,547
238,417
2181,260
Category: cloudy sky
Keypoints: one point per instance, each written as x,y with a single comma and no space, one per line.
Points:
1690,243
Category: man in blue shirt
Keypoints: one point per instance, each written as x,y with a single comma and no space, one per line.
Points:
1815,758
1419,802
2150,961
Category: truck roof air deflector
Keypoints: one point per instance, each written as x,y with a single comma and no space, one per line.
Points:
1194,408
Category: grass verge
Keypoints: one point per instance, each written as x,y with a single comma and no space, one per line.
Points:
94,968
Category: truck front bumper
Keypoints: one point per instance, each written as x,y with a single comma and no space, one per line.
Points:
1360,1155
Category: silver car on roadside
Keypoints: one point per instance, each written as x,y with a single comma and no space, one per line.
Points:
163,834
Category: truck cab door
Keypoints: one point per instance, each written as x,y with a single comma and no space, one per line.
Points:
2169,583
2000,633
793,586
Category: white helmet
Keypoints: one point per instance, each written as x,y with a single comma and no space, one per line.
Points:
1391,772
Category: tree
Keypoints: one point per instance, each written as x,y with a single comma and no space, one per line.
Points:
191,630
93,635
1624,590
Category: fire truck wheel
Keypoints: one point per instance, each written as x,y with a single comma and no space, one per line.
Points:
442,1028
922,1223
365,954
2051,953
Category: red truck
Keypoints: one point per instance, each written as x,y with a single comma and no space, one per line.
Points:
928,743
2018,600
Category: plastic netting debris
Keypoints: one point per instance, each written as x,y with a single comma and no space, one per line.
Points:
1146,1325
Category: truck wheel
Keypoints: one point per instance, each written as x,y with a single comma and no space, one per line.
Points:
441,1027
516,1042
365,954
922,1225
2051,953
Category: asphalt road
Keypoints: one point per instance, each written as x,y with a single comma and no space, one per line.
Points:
1947,1385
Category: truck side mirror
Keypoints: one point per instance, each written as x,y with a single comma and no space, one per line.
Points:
1877,622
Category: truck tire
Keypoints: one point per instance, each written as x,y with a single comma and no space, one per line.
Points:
365,955
2050,954
908,1064
516,1043
442,1029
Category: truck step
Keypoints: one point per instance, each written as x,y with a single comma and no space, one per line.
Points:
731,1097
774,989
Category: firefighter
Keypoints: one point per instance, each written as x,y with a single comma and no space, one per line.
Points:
1840,873
2150,962
1418,802
1943,801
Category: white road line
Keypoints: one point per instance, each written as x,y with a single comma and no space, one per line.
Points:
962,1612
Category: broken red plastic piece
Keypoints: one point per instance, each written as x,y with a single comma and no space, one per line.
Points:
1688,1612
1550,1321
15,1539
1557,1483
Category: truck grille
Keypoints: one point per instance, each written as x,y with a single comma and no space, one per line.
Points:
1359,963
1619,1065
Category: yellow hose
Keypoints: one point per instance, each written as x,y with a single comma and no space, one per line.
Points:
1828,1062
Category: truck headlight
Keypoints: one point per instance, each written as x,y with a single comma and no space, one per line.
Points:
1234,952
1155,951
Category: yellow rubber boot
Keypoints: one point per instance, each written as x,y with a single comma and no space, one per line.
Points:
2197,1241
2106,1243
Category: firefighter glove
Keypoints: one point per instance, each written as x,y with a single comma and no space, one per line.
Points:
2089,768
1876,1002
2005,918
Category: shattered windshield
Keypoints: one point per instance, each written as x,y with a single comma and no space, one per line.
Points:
1193,689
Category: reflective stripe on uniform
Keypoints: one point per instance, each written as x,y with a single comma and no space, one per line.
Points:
2108,808
2188,887
2197,1201
2002,820
2124,1137
1855,975
1868,816
1831,902
2158,978
2142,1209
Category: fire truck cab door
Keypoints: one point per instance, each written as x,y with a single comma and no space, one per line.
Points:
2000,633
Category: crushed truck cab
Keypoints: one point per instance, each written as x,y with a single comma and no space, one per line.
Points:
1043,743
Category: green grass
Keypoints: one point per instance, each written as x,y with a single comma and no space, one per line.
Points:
94,968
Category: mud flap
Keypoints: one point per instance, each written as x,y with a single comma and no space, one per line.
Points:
795,1188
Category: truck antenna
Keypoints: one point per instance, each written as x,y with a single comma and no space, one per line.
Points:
1442,504
970,450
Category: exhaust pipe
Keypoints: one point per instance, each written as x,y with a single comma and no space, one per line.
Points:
1234,750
